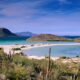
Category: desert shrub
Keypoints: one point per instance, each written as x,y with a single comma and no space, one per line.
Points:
16,48
18,72
22,59
64,57
77,56
3,57
22,68
1,48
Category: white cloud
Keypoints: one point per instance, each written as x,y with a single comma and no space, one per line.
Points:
19,9
27,16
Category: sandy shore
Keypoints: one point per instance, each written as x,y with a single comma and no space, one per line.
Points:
46,45
75,59
7,48
41,57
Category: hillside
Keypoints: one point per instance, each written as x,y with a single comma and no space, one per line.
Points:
25,34
5,32
77,39
47,37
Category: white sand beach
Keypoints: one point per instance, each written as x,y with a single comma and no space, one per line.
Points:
7,48
23,47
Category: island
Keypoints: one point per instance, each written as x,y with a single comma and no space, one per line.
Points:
77,39
48,37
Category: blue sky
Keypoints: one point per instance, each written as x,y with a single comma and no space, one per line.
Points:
61,17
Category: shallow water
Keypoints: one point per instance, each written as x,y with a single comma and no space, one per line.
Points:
56,51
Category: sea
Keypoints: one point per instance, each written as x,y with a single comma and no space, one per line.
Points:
56,51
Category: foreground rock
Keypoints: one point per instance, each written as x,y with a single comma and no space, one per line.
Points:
48,37
2,77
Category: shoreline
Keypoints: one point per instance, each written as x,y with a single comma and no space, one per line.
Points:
7,48
74,59
41,57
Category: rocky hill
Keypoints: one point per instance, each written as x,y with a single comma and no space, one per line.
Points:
77,39
48,37
5,32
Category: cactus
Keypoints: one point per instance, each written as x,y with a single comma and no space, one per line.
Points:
49,59
48,69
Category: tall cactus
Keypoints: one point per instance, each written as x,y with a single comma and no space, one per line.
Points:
49,59
48,69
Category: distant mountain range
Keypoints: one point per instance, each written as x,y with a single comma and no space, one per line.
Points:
34,37
25,34
5,32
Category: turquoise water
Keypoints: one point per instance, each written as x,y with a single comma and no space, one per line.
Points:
22,40
56,51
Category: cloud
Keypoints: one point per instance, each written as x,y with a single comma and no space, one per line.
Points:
39,16
34,8
19,8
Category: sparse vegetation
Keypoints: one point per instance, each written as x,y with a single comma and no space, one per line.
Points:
64,57
16,48
77,56
19,67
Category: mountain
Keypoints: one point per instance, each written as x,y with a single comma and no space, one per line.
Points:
48,37
5,32
25,34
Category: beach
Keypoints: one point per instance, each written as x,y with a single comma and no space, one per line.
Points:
25,47
74,59
7,49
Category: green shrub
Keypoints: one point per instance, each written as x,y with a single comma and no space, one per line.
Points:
18,72
77,56
64,57
22,68
16,48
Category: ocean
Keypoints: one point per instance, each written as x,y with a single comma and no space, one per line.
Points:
56,51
